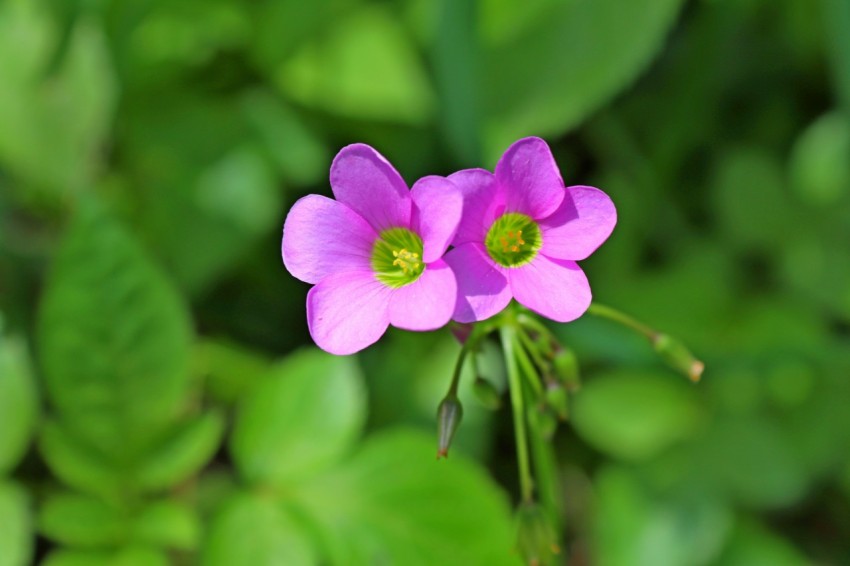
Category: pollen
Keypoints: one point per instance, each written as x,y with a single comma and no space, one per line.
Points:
512,242
407,261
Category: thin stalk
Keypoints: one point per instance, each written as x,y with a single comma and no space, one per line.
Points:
526,483
613,314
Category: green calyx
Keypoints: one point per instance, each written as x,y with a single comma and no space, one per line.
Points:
513,240
397,257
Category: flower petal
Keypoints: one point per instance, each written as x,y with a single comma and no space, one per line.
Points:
483,201
554,288
437,206
531,179
348,311
428,302
482,286
580,225
322,236
364,180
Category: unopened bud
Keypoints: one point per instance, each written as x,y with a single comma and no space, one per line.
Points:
536,538
486,393
547,422
449,415
566,368
558,400
677,356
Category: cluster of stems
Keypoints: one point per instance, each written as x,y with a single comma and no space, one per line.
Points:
542,376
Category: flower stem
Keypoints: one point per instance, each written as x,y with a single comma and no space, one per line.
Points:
508,336
604,311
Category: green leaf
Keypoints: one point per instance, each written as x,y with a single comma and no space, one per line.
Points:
754,545
129,556
635,415
363,66
252,529
77,463
82,521
632,527
16,535
548,66
819,170
52,125
167,524
292,145
229,369
18,402
181,454
394,503
114,337
302,418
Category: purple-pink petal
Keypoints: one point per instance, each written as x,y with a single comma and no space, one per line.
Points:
322,236
437,207
482,286
483,202
428,302
531,178
554,288
364,180
347,312
580,225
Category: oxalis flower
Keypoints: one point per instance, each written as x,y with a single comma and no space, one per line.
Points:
521,234
374,253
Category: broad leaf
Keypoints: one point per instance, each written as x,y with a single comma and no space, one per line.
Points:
633,415
52,121
78,463
18,402
83,521
114,337
303,417
181,453
394,503
16,534
167,524
546,68
129,556
251,529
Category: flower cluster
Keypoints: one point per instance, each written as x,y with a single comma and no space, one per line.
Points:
380,254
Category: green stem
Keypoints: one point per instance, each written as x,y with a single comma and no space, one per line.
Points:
526,483
610,313
532,375
532,350
479,332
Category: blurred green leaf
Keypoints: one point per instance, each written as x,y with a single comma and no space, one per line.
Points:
548,67
253,529
52,125
167,523
819,169
634,415
363,66
114,337
16,536
183,452
228,368
302,418
754,545
77,463
83,521
129,556
18,401
291,144
394,503
631,527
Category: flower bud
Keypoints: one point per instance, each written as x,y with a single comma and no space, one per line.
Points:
557,400
547,422
486,393
536,538
566,368
461,331
677,356
449,415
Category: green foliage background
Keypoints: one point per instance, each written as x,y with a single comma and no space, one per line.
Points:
160,402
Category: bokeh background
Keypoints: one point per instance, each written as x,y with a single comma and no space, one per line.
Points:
161,402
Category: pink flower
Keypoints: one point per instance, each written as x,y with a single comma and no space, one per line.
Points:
374,253
522,232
